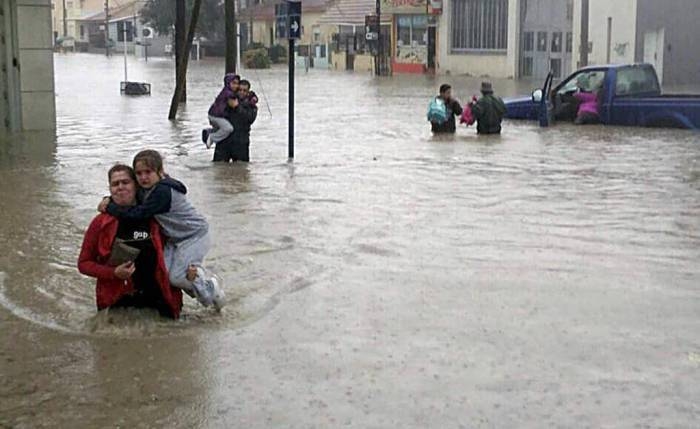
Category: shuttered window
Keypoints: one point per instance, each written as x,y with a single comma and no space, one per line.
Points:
479,25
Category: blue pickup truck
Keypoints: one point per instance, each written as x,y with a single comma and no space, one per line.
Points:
626,94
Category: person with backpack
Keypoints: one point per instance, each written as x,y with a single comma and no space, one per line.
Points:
488,111
442,111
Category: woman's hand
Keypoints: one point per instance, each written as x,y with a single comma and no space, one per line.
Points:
125,270
102,207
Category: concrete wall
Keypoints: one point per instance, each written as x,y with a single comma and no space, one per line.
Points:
623,35
503,65
681,21
36,64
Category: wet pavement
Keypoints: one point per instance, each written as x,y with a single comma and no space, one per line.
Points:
385,278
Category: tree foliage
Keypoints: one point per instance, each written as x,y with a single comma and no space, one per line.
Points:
160,14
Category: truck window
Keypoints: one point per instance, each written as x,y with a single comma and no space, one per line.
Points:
589,81
636,80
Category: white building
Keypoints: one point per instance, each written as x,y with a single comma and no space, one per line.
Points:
26,66
663,33
479,38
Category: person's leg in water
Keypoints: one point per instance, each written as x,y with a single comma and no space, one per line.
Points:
223,130
186,271
587,119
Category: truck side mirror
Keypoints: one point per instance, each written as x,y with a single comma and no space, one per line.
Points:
537,96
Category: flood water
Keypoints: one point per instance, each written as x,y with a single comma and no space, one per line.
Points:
384,279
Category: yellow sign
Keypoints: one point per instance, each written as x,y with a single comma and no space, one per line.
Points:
404,6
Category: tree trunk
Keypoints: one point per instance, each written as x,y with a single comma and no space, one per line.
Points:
182,64
180,37
231,36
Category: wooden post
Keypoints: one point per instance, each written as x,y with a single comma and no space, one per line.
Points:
182,64
231,36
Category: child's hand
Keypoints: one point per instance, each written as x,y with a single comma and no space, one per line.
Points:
125,270
102,207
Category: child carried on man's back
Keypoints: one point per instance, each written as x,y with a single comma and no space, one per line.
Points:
217,111
188,242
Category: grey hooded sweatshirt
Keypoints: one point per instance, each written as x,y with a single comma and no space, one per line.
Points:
166,201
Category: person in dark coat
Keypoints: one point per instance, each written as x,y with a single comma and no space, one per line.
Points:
488,111
236,146
453,110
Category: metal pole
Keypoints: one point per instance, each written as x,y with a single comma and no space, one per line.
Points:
607,54
291,98
107,27
126,79
65,20
239,66
380,59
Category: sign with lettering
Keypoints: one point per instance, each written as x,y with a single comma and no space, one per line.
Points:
404,6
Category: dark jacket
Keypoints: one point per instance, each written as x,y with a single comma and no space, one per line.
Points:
489,111
453,110
236,147
166,201
92,262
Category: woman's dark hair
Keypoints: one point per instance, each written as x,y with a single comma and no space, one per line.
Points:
151,158
121,167
444,88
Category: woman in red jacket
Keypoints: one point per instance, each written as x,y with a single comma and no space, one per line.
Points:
142,282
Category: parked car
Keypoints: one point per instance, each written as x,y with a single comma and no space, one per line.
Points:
628,94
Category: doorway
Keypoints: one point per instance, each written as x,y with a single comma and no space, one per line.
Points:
654,51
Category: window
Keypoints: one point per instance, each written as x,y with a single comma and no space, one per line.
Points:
556,41
542,41
529,42
636,80
479,25
569,42
555,66
588,81
129,31
412,39
527,67
82,31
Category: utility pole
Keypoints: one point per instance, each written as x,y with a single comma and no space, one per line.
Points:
231,36
583,51
380,58
65,20
107,27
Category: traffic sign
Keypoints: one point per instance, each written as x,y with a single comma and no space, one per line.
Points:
294,15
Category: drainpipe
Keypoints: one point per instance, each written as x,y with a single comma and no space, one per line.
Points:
607,54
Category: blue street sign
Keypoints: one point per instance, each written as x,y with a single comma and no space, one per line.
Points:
294,19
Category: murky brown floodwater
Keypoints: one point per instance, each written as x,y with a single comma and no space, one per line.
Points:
544,278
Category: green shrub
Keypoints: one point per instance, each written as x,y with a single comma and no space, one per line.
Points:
256,59
278,54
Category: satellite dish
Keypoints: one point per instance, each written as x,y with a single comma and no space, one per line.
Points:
147,32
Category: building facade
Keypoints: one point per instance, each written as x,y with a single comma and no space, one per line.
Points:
26,67
662,33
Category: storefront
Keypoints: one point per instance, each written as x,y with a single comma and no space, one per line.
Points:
414,34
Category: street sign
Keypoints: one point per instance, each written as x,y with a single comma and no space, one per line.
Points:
371,27
294,14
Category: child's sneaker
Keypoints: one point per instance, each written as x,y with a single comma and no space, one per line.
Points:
205,135
209,142
218,297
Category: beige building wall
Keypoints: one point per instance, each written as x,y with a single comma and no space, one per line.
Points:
502,65
35,46
623,14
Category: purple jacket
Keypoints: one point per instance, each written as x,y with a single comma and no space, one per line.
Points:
589,103
218,108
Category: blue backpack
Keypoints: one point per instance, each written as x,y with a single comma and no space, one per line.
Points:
437,111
